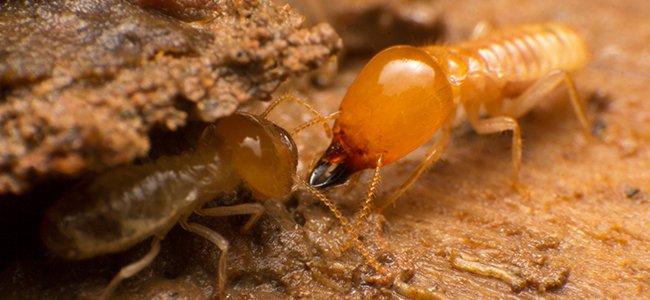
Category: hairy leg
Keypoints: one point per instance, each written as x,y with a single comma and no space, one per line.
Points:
254,209
220,242
531,97
433,155
133,268
495,125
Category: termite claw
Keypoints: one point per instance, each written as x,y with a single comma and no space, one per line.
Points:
326,174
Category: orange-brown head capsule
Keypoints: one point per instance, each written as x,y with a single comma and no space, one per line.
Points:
260,152
397,102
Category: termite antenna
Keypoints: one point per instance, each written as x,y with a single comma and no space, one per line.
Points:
319,118
367,204
346,226
434,154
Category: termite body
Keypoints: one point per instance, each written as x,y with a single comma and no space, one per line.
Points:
405,95
129,204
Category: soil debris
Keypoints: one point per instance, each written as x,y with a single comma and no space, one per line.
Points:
371,25
576,234
84,82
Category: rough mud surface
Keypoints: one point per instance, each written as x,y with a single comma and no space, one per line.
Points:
82,83
582,229
371,25
579,231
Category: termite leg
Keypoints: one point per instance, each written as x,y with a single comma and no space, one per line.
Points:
133,268
220,242
433,155
495,125
544,86
579,106
254,209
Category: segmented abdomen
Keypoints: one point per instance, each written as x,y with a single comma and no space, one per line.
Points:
528,52
126,205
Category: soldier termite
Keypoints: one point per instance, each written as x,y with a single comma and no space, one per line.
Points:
130,204
406,94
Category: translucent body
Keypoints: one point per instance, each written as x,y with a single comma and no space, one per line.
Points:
406,94
505,63
124,206
261,153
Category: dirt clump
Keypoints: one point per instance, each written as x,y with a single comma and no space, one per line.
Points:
580,229
82,83
370,25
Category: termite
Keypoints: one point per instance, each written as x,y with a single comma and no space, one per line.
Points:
406,95
129,204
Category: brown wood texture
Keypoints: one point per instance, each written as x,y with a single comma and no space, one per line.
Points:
580,230
583,228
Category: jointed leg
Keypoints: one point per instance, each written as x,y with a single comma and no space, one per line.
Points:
433,155
499,124
526,101
220,242
254,209
579,107
133,268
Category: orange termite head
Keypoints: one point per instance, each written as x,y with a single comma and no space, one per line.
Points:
260,152
397,102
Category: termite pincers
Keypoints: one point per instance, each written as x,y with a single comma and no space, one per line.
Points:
405,95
